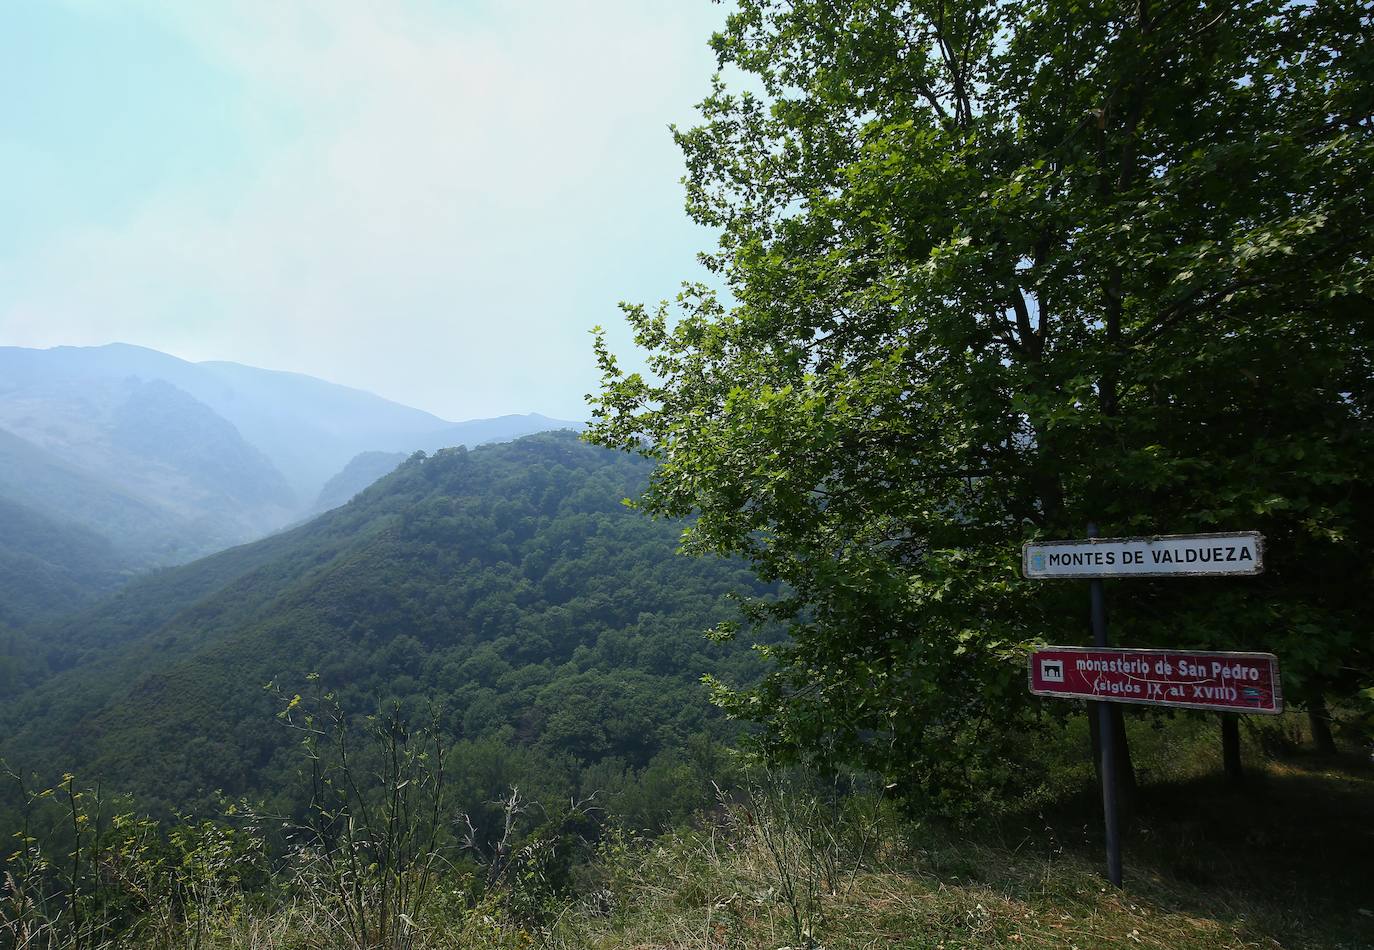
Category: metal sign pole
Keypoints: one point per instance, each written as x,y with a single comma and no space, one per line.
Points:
1107,736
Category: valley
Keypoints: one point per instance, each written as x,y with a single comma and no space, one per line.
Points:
507,581
163,461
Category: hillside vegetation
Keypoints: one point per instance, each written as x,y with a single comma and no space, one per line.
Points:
780,859
507,584
47,566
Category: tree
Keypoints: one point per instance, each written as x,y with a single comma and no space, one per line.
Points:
996,269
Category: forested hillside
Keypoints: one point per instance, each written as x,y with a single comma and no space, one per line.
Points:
508,584
47,566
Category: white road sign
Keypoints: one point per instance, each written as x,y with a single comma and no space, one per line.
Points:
1163,556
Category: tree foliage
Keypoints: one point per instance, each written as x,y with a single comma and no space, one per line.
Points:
994,270
556,631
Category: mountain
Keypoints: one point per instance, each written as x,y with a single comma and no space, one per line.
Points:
167,460
311,428
142,531
366,467
508,582
307,428
114,477
154,443
361,471
500,429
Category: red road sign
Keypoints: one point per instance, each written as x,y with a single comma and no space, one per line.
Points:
1221,682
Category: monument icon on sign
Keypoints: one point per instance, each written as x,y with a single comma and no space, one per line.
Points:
1052,671
1037,562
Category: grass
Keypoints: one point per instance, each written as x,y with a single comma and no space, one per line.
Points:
1284,860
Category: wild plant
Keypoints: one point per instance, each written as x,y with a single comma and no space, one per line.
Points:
531,871
53,893
816,835
371,846
84,875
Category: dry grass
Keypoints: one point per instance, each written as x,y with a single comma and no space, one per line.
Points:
941,889
1287,860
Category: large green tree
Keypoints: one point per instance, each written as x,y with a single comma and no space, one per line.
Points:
994,270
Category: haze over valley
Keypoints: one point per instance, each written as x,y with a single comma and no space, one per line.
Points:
137,459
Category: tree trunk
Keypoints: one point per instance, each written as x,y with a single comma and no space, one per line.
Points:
1320,720
1230,749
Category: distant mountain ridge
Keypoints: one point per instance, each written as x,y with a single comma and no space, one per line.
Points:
168,460
153,440
309,428
359,473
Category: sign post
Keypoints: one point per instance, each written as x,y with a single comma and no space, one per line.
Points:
1106,735
1201,680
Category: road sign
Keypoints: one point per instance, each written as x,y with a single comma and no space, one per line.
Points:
1220,682
1174,555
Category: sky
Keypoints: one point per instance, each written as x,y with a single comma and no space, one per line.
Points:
434,201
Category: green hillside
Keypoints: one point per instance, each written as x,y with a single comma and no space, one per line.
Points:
47,567
507,582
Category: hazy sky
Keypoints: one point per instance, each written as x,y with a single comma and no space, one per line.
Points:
431,200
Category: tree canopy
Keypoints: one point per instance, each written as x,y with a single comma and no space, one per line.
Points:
993,270
507,586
